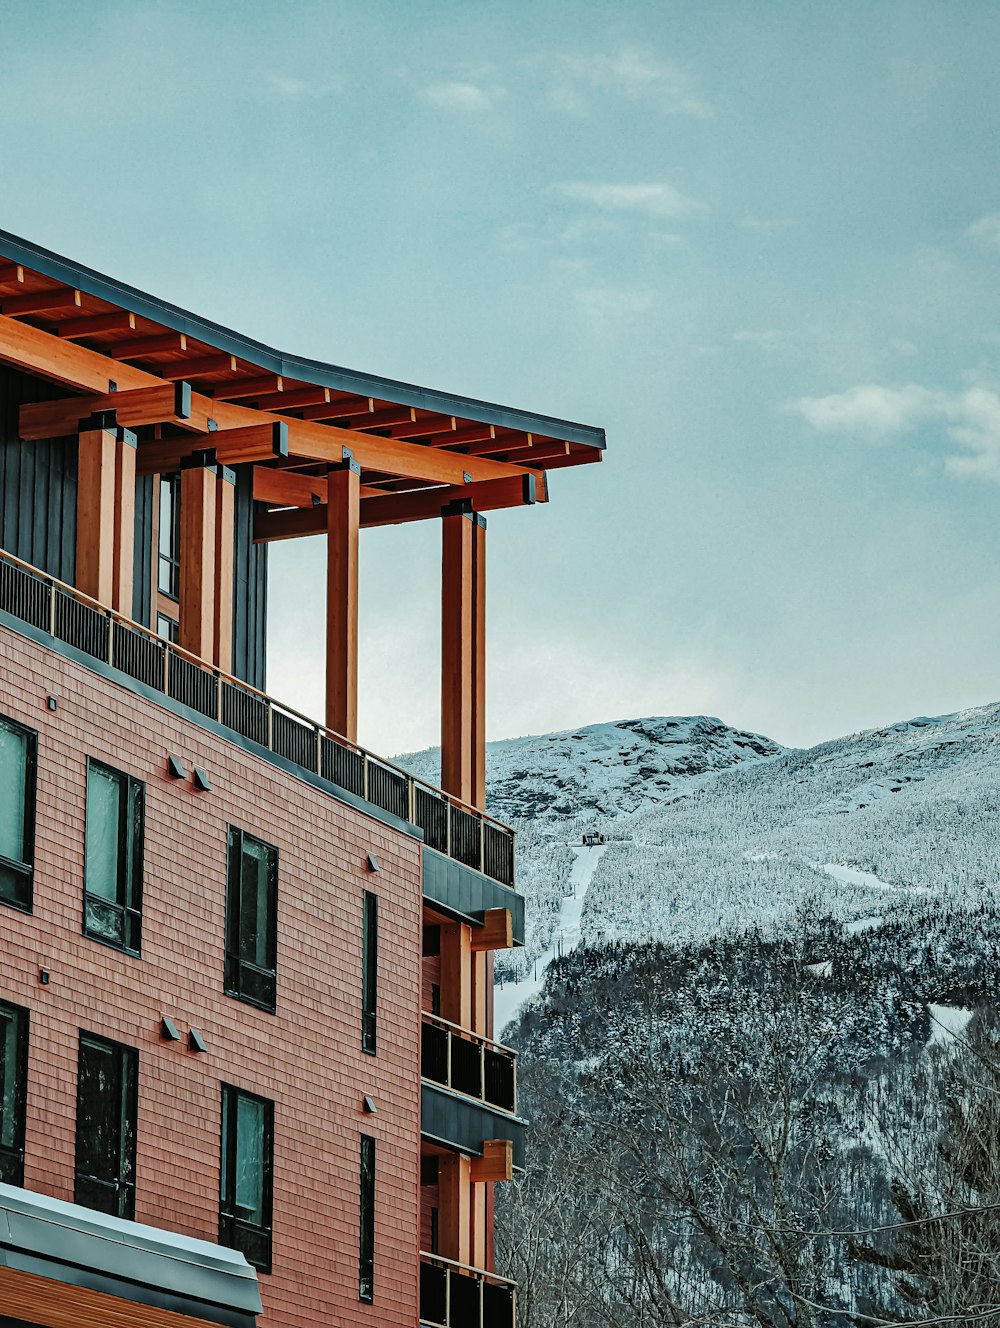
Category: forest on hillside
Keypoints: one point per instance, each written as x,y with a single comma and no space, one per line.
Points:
792,1128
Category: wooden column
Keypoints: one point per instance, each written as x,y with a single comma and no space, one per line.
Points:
343,519
225,540
455,1208
456,973
463,656
105,514
196,631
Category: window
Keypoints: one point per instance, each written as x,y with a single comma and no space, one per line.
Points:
167,628
246,1175
112,902
106,1105
251,920
366,1242
13,1091
18,751
168,574
369,972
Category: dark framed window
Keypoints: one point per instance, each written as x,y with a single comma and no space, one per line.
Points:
107,1099
366,1238
18,761
246,1175
168,566
251,920
369,973
13,1091
112,890
167,628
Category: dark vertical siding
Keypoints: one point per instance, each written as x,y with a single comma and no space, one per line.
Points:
142,609
249,589
37,483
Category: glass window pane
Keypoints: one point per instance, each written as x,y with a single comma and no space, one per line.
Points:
104,920
15,887
103,829
13,778
8,1079
256,939
98,1096
166,518
250,1160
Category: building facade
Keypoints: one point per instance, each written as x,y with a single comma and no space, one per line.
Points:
248,1072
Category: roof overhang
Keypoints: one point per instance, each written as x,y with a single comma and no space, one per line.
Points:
64,1265
237,383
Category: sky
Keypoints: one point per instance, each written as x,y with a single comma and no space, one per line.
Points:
758,243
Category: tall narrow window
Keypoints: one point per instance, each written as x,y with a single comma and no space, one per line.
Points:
168,575
251,920
246,1175
106,1106
18,751
13,1091
112,907
369,972
366,1239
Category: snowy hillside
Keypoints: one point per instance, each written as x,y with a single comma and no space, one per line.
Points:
603,771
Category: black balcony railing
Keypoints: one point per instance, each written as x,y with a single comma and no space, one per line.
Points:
466,1063
453,1295
463,833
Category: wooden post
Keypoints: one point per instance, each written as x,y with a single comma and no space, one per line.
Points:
105,513
456,973
455,1208
225,540
123,562
196,630
463,656
343,521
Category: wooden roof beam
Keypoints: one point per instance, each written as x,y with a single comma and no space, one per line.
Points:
200,368
398,508
295,398
60,300
343,409
118,320
11,274
424,428
284,488
384,419
245,388
137,348
163,403
230,447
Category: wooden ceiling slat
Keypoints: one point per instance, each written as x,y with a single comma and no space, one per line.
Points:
383,419
294,399
11,274
427,427
344,408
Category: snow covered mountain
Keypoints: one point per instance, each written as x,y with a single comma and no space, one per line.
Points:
604,771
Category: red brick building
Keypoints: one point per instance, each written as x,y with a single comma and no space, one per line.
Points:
246,1065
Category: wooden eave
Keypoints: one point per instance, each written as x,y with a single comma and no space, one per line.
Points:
237,380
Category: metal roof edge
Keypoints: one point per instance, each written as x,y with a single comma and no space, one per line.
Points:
18,250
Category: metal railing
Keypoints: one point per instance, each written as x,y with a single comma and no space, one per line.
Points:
450,826
467,1063
455,1295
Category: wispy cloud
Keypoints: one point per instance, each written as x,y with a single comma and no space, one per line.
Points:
986,229
631,73
461,97
970,419
659,200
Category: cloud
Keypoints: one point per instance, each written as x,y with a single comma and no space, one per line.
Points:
659,200
970,419
986,229
631,73
461,97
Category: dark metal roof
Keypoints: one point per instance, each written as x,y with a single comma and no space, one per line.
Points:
85,279
74,1245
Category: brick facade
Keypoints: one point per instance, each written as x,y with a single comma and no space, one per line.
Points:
307,1057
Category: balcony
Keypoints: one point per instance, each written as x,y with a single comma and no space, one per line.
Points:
453,1295
466,837
468,1064
468,1090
